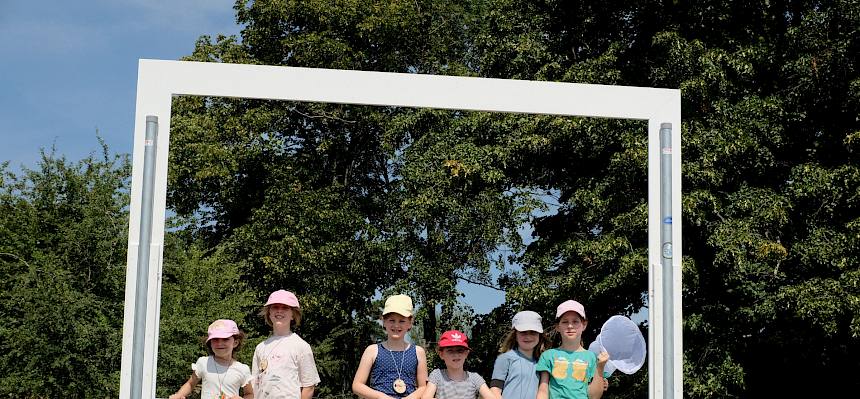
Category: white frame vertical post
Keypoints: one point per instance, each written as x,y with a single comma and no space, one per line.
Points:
158,81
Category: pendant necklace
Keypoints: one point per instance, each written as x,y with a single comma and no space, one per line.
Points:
399,385
264,363
221,378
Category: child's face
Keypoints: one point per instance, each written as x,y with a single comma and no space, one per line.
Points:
527,340
281,315
222,348
454,356
571,326
396,325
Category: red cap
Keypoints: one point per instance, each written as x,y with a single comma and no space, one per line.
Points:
453,338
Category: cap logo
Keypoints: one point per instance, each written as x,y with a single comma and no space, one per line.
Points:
456,337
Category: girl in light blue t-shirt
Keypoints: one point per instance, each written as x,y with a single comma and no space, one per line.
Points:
514,375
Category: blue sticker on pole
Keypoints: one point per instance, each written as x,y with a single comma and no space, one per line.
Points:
667,220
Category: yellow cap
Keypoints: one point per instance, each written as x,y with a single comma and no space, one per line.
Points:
400,304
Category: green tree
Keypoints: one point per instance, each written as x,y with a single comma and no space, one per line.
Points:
197,289
770,102
342,203
62,257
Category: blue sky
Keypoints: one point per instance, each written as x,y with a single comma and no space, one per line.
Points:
69,70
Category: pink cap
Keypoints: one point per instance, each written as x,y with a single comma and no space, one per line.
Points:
570,305
283,297
222,328
453,338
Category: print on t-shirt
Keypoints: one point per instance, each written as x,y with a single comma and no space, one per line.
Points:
560,366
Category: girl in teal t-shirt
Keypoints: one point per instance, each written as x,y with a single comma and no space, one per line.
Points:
570,371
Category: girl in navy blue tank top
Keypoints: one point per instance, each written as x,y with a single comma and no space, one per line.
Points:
395,368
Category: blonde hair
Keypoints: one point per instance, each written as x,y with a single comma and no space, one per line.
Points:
295,322
510,342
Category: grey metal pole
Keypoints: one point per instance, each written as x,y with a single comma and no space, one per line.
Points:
666,250
141,292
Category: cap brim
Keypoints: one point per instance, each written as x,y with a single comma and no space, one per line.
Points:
455,346
529,327
219,335
400,312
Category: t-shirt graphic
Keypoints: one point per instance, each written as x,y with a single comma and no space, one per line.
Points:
570,372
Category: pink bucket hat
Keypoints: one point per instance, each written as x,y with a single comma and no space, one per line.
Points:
222,328
570,305
283,297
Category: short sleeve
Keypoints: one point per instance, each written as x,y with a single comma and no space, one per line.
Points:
500,368
199,368
308,375
435,377
477,380
592,366
545,362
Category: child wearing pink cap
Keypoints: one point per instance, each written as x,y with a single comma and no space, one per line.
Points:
222,376
454,382
570,371
283,366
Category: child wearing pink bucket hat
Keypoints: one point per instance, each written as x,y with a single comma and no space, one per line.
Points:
221,375
570,371
283,366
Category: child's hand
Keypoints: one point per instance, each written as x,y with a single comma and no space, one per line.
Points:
176,396
602,358
236,397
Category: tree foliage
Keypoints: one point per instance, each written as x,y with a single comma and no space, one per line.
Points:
62,257
345,204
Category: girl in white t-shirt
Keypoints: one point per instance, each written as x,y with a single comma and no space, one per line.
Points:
283,366
221,375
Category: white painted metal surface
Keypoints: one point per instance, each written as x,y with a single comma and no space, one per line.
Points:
159,81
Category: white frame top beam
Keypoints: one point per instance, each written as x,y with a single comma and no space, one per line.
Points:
159,81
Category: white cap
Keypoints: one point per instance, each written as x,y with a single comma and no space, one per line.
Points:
527,321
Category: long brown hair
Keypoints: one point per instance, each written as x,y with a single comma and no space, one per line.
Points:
510,342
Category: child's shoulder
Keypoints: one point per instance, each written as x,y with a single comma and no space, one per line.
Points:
371,351
242,367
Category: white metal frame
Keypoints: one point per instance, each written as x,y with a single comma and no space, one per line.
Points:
159,81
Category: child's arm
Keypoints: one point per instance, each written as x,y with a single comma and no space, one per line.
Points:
486,393
186,388
497,392
308,392
598,385
248,391
429,391
362,375
543,388
421,383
